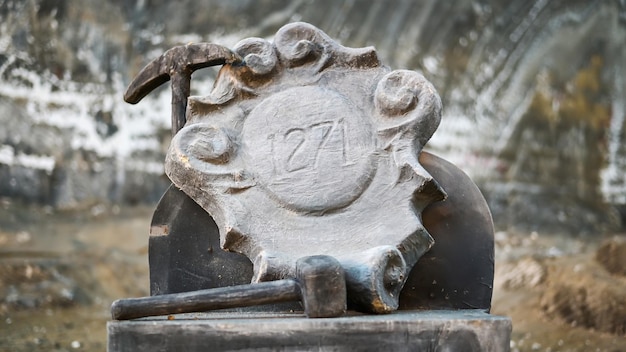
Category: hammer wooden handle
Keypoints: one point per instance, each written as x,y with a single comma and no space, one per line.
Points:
205,300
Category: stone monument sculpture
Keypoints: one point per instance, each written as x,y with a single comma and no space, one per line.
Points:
301,176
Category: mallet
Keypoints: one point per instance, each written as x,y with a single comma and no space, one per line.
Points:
319,284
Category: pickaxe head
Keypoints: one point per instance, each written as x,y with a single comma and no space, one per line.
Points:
177,65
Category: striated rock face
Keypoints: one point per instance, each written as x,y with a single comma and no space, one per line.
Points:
534,94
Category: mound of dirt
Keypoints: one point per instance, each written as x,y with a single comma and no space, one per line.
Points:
558,296
586,295
612,255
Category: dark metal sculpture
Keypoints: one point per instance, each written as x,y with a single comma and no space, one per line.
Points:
306,147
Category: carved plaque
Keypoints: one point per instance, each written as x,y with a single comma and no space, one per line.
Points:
317,154
309,147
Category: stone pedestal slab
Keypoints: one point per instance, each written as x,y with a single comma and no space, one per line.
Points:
466,330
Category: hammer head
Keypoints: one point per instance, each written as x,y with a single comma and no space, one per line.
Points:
323,286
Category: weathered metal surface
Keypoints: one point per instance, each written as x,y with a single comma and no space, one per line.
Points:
457,272
466,330
184,249
310,148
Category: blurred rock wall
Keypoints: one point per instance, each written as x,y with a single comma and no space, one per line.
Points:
534,94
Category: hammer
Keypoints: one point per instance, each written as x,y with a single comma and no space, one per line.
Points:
319,284
177,65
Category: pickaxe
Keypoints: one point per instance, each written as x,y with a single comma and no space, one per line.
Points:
319,284
177,65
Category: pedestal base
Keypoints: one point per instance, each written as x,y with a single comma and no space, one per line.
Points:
465,330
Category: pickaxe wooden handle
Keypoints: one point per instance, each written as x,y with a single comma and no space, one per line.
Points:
177,65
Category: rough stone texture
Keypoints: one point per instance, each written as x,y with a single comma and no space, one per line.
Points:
406,331
542,79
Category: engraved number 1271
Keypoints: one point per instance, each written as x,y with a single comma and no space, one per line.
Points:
302,147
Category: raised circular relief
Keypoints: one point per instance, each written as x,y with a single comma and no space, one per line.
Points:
207,143
396,92
310,148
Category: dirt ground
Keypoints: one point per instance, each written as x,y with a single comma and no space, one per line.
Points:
557,294
59,274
